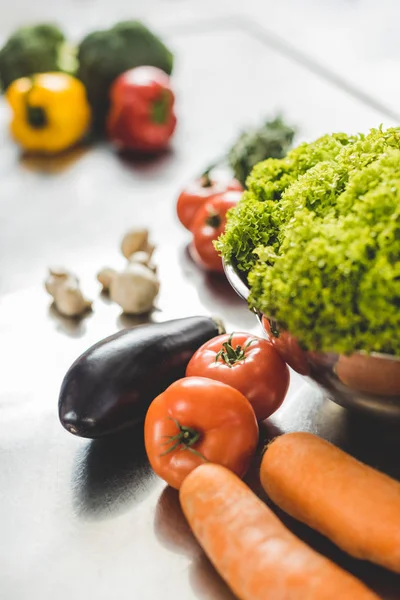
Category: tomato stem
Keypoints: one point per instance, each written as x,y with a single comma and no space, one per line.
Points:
213,220
186,438
205,178
230,355
274,328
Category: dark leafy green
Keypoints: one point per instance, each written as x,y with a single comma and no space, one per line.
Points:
35,49
272,140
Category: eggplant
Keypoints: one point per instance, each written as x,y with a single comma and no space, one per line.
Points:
111,385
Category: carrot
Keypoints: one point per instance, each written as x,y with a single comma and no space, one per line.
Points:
252,550
352,504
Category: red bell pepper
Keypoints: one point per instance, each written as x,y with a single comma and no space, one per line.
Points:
141,116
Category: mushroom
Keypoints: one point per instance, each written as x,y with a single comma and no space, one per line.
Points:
63,286
105,276
134,240
135,289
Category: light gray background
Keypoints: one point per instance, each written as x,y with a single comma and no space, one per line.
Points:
89,520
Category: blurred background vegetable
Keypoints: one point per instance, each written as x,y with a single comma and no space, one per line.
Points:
208,225
272,140
50,112
65,289
197,192
141,116
103,55
35,49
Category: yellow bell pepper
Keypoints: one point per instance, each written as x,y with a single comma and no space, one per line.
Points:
50,112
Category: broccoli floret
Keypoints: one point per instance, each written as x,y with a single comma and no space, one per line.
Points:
35,49
272,140
103,55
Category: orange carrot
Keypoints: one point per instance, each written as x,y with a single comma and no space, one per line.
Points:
252,550
352,504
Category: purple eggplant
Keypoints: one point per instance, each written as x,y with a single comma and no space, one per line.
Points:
111,385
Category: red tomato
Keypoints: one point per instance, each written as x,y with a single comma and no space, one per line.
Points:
247,363
142,114
198,420
196,194
288,348
208,225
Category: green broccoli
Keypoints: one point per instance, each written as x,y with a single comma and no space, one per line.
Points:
272,140
103,55
35,49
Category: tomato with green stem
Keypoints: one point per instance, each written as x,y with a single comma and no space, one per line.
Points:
199,420
198,192
248,363
208,225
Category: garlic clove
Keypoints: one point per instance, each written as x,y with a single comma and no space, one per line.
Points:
133,241
60,272
105,276
63,286
142,257
58,276
149,248
70,301
135,289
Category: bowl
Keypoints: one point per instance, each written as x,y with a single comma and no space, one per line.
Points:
369,383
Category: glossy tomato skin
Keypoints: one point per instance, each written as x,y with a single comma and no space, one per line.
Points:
262,376
208,225
289,349
197,193
223,417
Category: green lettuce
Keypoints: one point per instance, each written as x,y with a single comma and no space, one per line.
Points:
318,234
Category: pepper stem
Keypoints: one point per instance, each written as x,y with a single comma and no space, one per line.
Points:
230,355
35,115
185,439
160,108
